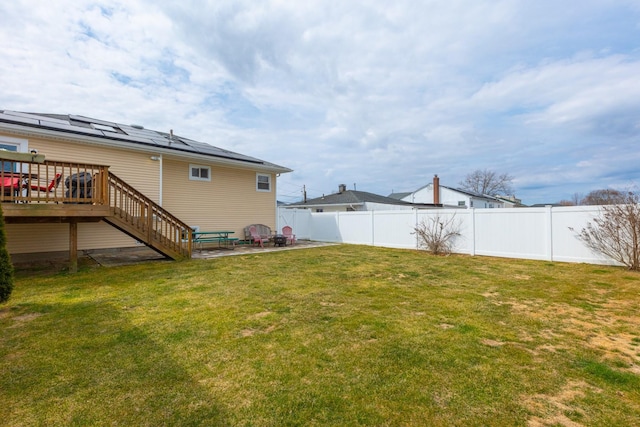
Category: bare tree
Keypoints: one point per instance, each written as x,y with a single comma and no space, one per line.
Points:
607,196
576,199
437,234
615,231
487,182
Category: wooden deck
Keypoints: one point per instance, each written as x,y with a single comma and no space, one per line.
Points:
33,190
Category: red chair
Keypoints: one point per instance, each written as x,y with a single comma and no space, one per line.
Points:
47,187
288,234
11,185
257,238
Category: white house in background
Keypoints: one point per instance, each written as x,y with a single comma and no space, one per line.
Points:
447,196
351,200
511,201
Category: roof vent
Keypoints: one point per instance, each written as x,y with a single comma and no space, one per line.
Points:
137,127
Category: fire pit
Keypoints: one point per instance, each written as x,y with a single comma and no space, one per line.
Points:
279,240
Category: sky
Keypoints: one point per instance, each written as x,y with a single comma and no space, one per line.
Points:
377,95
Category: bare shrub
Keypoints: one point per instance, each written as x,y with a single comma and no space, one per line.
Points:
437,234
615,231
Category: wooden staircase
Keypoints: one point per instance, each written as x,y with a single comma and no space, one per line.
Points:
138,216
110,199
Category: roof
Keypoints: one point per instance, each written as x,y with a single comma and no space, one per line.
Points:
399,196
459,190
133,135
516,202
472,193
352,197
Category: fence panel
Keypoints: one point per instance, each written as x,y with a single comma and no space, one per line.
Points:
512,233
528,233
325,227
393,229
356,227
566,245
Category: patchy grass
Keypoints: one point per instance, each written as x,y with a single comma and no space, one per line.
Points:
344,335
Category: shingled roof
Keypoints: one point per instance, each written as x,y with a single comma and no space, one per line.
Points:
132,135
350,197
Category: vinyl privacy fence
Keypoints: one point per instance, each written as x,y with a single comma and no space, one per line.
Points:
543,233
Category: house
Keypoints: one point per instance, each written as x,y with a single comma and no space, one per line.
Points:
448,196
203,186
511,201
351,200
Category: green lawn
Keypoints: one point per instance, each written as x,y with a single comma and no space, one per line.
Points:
340,335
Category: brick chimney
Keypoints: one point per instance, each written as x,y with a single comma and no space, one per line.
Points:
436,190
342,188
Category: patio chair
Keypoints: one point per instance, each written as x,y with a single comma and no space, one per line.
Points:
11,186
256,238
288,234
47,187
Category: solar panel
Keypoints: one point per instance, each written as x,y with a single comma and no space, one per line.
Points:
127,133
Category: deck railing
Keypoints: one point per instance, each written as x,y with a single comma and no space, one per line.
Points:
71,184
52,182
138,211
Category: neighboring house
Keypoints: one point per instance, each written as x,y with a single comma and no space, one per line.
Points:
202,185
449,197
351,200
511,201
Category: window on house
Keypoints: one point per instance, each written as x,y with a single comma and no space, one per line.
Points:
319,210
471,204
263,182
199,173
461,203
12,144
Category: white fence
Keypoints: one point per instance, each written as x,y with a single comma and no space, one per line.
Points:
529,233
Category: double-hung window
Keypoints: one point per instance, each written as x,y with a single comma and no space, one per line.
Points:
263,182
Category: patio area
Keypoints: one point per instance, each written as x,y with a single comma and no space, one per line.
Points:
125,256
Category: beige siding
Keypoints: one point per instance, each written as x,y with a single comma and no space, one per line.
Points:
229,201
134,167
30,238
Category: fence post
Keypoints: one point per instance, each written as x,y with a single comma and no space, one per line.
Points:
549,233
472,232
415,222
373,228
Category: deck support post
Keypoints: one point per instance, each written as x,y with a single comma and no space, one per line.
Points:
73,246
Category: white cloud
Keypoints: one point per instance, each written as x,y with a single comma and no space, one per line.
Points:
375,93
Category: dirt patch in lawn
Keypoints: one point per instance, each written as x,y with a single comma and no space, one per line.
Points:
557,407
595,328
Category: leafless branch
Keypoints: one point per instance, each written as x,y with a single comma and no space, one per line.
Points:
615,231
437,234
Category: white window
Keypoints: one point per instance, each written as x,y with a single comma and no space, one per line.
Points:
199,173
263,182
13,144
461,203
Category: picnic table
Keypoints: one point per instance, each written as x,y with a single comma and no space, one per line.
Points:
220,237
